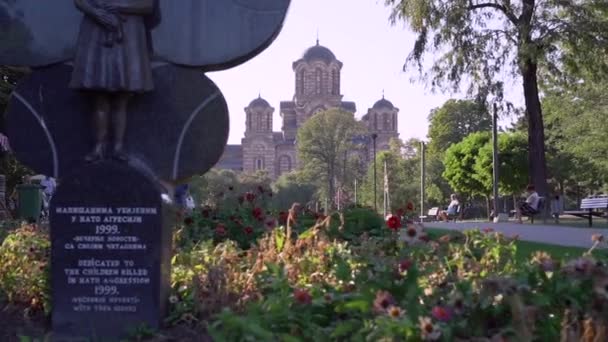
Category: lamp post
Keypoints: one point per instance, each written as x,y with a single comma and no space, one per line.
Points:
374,136
422,178
495,164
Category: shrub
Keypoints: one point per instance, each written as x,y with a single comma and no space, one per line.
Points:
24,267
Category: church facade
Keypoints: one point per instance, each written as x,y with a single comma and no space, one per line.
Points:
317,88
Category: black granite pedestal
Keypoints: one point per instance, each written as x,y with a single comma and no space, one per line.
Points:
111,251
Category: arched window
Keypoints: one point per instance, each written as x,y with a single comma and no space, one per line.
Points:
259,123
318,80
259,163
386,122
268,123
335,82
284,164
300,86
376,121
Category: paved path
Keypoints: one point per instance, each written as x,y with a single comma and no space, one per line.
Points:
555,235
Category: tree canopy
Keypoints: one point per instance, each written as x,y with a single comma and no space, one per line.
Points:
460,160
481,41
453,121
512,169
323,145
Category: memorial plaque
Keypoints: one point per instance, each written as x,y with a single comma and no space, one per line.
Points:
111,246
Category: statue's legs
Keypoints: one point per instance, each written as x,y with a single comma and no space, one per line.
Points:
100,126
119,123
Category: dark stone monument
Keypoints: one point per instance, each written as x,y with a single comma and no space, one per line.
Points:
111,251
132,71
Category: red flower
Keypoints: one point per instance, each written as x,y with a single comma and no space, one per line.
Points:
250,197
188,221
488,230
393,222
302,296
257,213
248,230
441,313
410,206
405,265
220,230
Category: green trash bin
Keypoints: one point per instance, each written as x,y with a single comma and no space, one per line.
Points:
30,201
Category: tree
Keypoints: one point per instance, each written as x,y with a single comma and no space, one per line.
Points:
512,170
289,188
324,141
449,124
460,160
486,39
453,121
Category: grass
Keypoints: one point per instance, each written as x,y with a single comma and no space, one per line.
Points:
526,248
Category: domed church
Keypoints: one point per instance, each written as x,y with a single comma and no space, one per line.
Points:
317,88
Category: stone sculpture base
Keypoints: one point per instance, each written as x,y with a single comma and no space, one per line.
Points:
111,253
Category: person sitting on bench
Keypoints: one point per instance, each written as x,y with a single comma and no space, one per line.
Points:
530,206
452,208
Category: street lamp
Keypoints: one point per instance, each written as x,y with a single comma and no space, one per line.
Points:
374,136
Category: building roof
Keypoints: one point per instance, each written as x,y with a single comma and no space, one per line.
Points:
259,102
319,52
383,103
349,106
232,158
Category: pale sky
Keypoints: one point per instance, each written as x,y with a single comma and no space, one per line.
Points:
358,32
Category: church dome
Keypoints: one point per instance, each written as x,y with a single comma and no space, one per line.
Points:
383,103
259,102
319,52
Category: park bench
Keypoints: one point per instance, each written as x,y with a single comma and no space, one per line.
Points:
431,215
591,206
541,210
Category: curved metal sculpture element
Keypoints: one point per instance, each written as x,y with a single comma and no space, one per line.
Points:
113,45
212,34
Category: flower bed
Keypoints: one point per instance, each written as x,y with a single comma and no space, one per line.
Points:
337,281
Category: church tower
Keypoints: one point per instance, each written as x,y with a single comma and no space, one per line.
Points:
382,119
317,88
258,144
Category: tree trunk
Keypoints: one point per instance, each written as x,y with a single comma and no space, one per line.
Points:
488,207
537,166
331,185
